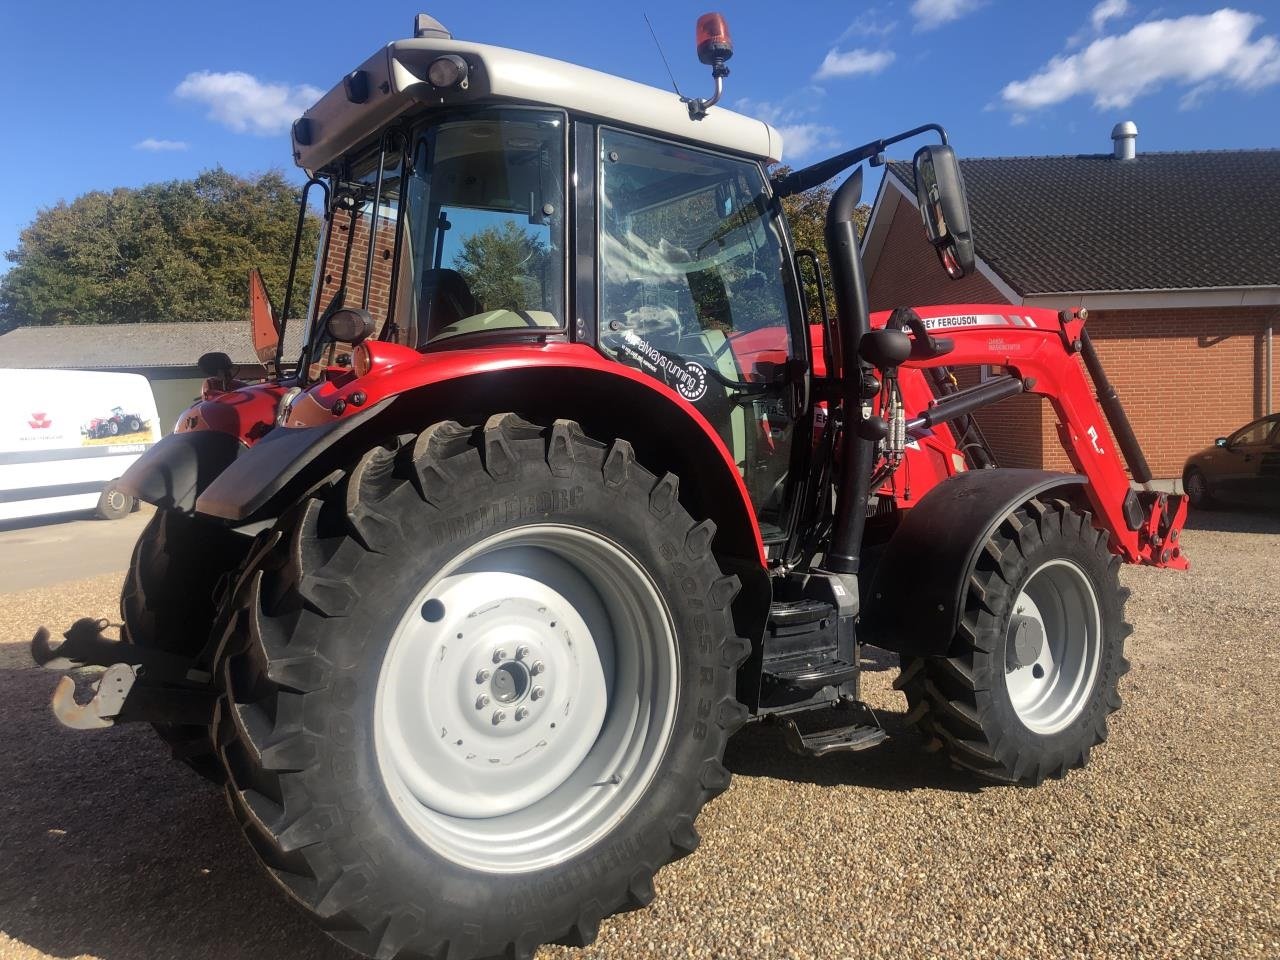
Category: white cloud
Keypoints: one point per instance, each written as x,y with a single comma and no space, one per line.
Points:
801,139
245,104
1108,10
869,24
1202,52
799,135
934,13
160,146
852,62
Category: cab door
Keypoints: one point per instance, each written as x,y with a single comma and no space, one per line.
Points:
696,289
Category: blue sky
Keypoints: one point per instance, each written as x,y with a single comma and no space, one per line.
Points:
102,95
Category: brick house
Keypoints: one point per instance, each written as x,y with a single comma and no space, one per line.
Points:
1176,256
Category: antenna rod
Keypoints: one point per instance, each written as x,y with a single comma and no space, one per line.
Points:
663,56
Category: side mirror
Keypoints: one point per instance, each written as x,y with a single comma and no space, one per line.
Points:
262,316
1220,442
944,208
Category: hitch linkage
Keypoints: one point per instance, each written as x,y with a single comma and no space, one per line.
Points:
134,683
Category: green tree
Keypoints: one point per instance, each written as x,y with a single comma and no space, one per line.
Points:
503,266
179,250
807,216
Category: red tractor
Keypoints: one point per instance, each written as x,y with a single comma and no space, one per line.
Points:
563,489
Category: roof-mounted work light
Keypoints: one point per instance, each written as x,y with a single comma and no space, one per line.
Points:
448,71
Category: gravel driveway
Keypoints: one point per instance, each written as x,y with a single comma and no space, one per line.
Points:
1166,846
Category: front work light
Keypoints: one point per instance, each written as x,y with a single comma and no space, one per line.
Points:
350,325
447,71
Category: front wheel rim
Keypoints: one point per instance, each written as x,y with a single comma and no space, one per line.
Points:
526,698
1053,647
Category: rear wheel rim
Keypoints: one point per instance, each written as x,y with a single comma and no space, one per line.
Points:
1050,686
116,501
526,698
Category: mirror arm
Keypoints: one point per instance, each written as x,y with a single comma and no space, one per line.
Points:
806,178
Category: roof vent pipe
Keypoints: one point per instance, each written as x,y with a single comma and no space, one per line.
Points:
1124,137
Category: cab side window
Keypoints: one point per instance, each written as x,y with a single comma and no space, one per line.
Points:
696,291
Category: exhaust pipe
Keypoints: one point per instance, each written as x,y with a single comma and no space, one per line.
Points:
854,484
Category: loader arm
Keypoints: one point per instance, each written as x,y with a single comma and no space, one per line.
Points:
1040,351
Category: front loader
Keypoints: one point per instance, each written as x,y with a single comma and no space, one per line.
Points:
462,603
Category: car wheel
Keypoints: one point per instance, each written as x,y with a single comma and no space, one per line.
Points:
1197,488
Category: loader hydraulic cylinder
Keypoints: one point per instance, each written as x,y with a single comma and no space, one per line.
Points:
966,401
1113,410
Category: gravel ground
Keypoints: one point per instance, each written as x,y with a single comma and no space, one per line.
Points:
1167,846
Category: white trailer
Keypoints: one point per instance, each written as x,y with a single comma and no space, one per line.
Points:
66,436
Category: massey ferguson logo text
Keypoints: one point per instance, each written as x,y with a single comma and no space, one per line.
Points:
40,421
691,379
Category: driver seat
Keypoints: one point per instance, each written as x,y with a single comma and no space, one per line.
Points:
447,299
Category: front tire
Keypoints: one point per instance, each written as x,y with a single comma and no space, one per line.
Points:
386,754
1032,674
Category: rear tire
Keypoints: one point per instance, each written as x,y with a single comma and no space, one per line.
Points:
352,681
1032,673
169,602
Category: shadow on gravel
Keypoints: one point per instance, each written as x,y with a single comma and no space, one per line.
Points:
899,763
110,848
1234,520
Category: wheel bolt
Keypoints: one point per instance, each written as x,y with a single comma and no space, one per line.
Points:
498,717
522,652
537,693
499,656
537,668
522,713
482,676
482,701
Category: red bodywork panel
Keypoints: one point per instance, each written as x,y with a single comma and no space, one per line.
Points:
1037,346
250,412
1033,344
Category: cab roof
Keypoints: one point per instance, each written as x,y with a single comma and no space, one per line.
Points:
394,81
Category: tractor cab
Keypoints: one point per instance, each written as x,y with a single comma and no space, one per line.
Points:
498,220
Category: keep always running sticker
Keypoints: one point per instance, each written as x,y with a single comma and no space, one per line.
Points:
689,377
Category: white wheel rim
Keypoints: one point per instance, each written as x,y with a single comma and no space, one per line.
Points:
526,698
1050,689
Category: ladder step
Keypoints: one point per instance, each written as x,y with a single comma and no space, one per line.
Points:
806,674
856,736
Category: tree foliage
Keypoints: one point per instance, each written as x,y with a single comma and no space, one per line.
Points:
503,267
179,250
807,216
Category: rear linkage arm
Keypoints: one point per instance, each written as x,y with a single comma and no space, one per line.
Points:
136,683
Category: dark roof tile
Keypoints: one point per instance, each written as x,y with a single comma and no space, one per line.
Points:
1093,223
